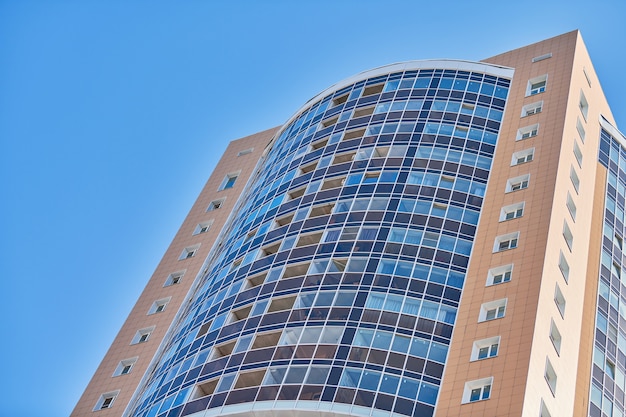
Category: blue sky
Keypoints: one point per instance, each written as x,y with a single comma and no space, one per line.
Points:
113,114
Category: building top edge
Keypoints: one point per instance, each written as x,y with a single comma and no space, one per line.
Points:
614,131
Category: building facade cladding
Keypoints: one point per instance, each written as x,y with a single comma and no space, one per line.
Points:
608,380
335,284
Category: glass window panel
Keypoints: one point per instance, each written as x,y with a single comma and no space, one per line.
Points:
350,378
382,340
370,380
295,375
389,384
363,338
401,343
331,335
317,375
310,335
274,376
408,388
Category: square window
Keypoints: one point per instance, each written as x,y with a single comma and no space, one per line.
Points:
477,390
536,85
555,337
517,183
581,130
583,105
559,299
563,266
229,181
578,154
142,335
245,152
106,400
189,252
203,227
571,206
485,348
512,211
159,305
492,310
216,204
527,132
532,108
550,376
573,176
174,278
568,236
499,275
125,366
521,157
506,242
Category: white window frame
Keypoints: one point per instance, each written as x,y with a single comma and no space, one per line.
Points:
203,227
245,152
555,337
573,176
189,252
488,344
125,365
517,183
568,235
142,335
537,85
216,204
499,275
511,238
564,266
102,403
578,154
532,108
571,206
174,278
522,157
492,310
527,132
478,384
559,300
230,176
512,211
159,305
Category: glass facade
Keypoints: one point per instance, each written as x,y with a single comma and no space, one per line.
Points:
609,359
336,282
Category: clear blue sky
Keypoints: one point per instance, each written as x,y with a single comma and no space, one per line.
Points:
113,113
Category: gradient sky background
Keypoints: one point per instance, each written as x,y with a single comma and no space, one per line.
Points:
113,114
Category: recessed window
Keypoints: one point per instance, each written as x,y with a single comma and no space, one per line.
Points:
536,85
550,376
229,181
559,299
523,156
245,152
583,105
216,204
532,108
189,252
517,183
527,132
555,337
571,206
563,266
568,236
477,390
618,241
506,242
159,305
142,335
573,176
174,278
578,154
581,130
512,211
486,348
203,227
106,400
542,57
125,366
499,275
492,310
544,410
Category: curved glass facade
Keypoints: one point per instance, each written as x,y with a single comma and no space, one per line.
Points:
336,282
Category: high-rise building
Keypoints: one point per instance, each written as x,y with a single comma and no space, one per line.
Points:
426,238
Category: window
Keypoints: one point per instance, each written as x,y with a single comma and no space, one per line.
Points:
174,278
142,335
517,183
506,242
542,57
216,204
245,152
583,105
568,236
512,211
550,376
125,366
559,299
203,227
536,85
486,348
581,130
229,181
492,310
159,305
571,206
544,410
499,275
574,177
555,337
189,252
563,266
523,156
532,108
477,390
578,154
527,132
106,400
